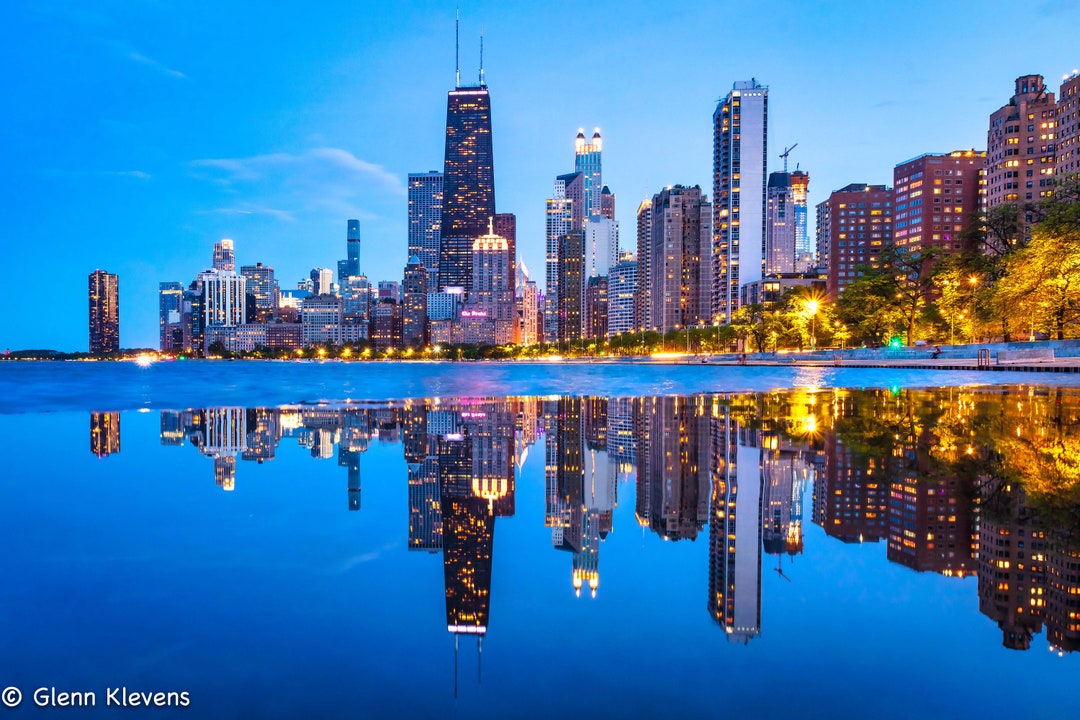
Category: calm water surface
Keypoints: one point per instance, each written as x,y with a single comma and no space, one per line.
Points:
825,552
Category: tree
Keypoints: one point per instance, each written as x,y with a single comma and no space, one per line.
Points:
911,279
1046,274
868,308
754,322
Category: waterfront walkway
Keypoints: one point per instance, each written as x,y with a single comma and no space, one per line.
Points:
1054,356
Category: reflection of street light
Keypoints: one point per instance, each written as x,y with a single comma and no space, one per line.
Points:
973,281
812,308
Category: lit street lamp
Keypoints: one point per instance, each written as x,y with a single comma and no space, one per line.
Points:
812,308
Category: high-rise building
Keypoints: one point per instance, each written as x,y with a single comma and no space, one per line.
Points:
489,315
643,305
595,322
740,145
170,311
587,161
322,281
563,215
622,295
224,259
936,199
468,182
1068,126
570,286
601,246
414,293
1020,149
259,282
853,226
787,245
680,281
425,220
321,317
505,226
529,309
386,317
224,302
104,296
805,250
607,203
350,266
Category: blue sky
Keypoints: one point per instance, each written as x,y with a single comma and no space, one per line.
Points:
139,133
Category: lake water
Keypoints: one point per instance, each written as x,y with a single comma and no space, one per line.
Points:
504,540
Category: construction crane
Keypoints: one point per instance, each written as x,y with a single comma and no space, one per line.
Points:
787,151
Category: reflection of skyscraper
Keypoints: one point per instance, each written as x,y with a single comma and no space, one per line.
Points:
850,498
104,433
931,524
225,437
1010,553
264,432
735,533
355,437
676,476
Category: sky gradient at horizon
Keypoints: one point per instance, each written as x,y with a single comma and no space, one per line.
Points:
139,133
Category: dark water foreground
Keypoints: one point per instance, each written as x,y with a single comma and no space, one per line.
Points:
887,553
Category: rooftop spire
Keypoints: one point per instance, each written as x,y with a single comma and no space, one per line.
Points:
457,47
481,56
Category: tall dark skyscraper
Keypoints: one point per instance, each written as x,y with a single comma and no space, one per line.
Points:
351,266
468,181
104,295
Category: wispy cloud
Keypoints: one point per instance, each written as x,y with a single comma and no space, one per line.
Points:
140,58
247,209
315,162
322,181
130,173
56,172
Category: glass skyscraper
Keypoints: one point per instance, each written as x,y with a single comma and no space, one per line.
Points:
425,220
468,182
104,295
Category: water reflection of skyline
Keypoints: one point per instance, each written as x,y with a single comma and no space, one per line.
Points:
925,474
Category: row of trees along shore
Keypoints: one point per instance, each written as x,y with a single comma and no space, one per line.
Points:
1003,285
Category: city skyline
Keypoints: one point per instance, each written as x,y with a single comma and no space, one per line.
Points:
280,162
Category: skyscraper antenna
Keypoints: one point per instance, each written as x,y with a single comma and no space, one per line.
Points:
481,56
457,47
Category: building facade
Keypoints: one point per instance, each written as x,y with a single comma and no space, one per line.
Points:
259,283
937,198
1021,149
104,322
740,146
622,296
643,303
680,250
853,227
787,245
170,315
414,294
468,182
425,220
1068,127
